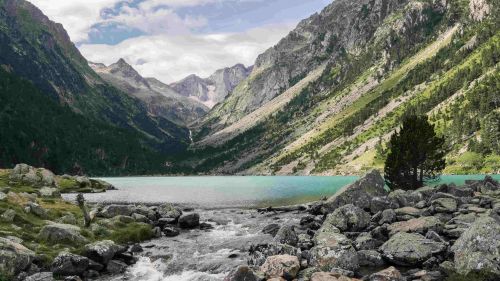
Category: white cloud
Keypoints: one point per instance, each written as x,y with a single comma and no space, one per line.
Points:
171,58
77,16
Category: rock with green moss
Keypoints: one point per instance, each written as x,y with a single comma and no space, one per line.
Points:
57,233
37,210
8,215
349,218
14,257
25,174
359,193
478,248
409,249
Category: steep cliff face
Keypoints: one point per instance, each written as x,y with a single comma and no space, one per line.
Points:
214,89
343,28
377,61
160,99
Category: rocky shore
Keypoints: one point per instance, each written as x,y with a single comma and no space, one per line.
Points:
363,232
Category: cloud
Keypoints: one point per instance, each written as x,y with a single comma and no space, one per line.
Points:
171,58
77,16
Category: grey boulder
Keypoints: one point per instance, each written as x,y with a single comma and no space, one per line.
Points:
409,249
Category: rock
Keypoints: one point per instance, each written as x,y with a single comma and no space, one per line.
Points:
100,184
136,248
388,274
341,272
445,205
410,211
244,273
169,211
14,257
460,191
157,232
73,278
349,218
49,192
426,191
61,233
381,203
3,197
41,276
365,241
405,198
102,251
171,231
419,225
116,267
359,193
140,218
124,219
37,210
112,211
259,253
67,219
478,248
409,249
271,229
189,221
95,266
38,177
370,258
67,264
333,250
305,242
9,215
286,235
285,266
388,216
329,276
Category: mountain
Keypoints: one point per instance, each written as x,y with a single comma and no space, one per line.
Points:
38,53
160,99
328,96
214,89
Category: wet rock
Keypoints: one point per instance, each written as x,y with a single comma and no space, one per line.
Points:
370,258
388,274
67,264
112,211
419,225
189,221
157,232
206,226
271,229
14,257
42,276
103,251
171,231
409,249
359,193
244,273
136,248
259,253
285,266
478,248
286,235
73,278
349,218
61,233
116,267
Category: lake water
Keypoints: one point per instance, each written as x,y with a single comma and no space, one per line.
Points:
232,191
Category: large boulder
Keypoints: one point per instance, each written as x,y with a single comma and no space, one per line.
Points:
286,235
103,251
61,233
445,205
259,253
37,210
359,193
349,218
244,273
67,264
169,211
419,225
189,221
285,266
26,174
14,257
478,248
112,211
408,249
332,249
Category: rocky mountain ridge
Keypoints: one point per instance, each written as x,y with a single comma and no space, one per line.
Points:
214,89
160,98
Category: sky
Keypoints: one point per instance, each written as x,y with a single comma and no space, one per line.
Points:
171,39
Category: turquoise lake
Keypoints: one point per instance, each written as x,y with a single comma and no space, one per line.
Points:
226,192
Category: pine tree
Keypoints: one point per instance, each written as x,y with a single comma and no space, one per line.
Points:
416,155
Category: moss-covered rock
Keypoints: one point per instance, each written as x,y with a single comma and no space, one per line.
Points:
14,257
